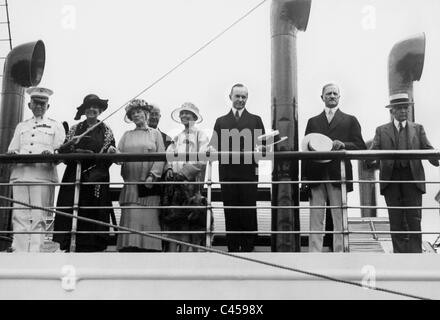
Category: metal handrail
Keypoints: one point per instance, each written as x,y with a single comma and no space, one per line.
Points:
213,156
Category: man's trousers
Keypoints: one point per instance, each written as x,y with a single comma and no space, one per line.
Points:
25,219
240,219
404,195
319,196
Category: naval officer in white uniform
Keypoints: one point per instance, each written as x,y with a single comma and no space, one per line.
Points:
37,135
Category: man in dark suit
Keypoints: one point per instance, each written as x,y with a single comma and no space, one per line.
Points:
238,131
153,122
402,134
345,131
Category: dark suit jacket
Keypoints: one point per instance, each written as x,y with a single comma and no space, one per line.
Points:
166,139
385,139
343,127
244,133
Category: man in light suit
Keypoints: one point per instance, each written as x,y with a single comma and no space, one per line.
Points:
401,134
37,135
345,131
238,131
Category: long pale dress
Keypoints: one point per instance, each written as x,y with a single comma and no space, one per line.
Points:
140,141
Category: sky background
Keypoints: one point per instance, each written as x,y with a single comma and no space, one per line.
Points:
116,49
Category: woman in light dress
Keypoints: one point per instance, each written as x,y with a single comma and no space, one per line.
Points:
190,139
142,139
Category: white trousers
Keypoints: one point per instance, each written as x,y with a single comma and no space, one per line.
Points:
26,219
319,196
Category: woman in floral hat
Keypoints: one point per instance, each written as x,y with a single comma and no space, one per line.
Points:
142,139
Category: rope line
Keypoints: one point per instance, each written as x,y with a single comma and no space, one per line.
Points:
174,68
212,250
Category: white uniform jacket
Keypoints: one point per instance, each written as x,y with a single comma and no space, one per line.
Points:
33,136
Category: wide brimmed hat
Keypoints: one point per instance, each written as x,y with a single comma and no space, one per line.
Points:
90,99
399,99
136,104
188,106
317,142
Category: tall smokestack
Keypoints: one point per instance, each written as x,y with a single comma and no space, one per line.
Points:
405,65
287,17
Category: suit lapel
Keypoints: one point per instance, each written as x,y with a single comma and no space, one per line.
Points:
411,134
389,130
336,119
243,121
323,123
230,118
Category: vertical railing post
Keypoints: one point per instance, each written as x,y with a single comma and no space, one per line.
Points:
75,207
344,208
209,206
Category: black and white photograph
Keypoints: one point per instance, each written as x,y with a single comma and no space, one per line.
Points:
221,155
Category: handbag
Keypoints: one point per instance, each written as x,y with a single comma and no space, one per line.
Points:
143,191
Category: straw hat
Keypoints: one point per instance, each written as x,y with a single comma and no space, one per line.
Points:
398,99
187,106
317,142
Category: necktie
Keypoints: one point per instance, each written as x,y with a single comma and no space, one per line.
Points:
330,115
187,144
237,116
401,145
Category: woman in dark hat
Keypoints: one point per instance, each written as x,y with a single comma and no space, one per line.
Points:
99,140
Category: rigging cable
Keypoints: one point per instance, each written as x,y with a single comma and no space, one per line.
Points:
77,138
143,233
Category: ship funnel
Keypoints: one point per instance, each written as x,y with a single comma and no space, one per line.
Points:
24,66
405,65
287,18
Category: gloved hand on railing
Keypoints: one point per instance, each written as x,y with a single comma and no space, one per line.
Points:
371,164
338,145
